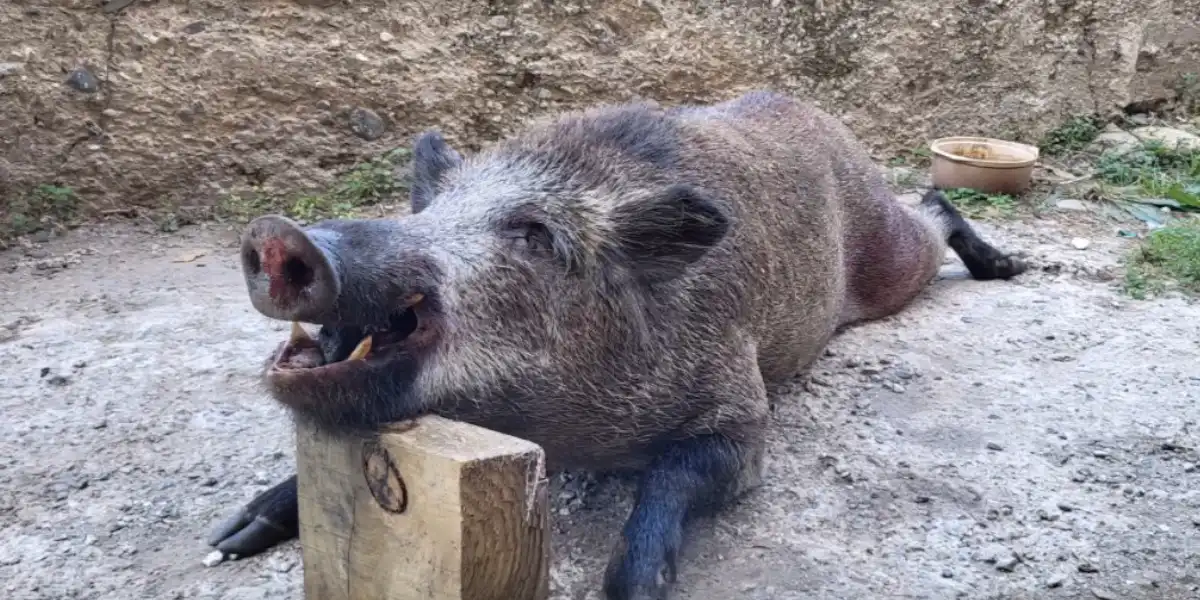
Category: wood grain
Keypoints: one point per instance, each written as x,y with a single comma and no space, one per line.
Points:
441,511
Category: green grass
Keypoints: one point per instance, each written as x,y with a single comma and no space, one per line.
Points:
975,204
1169,256
38,208
366,184
1154,171
912,157
1072,136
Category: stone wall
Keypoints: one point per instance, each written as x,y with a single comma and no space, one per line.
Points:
176,102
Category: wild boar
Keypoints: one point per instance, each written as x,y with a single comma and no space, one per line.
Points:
619,285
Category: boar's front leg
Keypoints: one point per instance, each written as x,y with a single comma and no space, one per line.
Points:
705,472
270,518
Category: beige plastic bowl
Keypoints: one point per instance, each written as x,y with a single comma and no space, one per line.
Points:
982,164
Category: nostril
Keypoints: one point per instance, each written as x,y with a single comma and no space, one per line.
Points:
252,261
296,273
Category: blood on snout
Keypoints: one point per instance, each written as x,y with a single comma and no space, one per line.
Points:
274,257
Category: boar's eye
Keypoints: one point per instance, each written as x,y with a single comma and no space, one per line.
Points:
531,235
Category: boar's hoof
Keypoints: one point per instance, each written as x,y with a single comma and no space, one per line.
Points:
269,519
639,576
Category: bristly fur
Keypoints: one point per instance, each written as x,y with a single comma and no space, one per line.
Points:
620,285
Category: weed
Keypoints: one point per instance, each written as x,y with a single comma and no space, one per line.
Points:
977,204
37,208
1170,255
364,185
1156,171
1072,136
913,157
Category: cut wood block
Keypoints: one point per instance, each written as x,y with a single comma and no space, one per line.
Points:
437,510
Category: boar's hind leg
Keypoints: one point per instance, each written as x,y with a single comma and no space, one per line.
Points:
269,519
704,472
983,260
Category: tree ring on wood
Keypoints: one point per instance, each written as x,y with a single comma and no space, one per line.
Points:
383,478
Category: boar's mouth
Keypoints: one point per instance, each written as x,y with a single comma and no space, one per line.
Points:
301,355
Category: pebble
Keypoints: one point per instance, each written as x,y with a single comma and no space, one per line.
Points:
1007,563
366,124
1048,512
1071,204
994,446
213,558
1056,580
895,387
386,37
1103,594
948,574
1087,568
10,68
82,80
1081,243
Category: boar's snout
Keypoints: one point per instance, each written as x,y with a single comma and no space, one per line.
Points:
287,274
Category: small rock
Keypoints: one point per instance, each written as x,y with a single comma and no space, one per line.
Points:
213,558
1087,568
1071,204
1168,136
948,574
281,565
993,446
1007,563
499,22
10,68
1101,454
1114,138
58,380
1048,512
1103,594
366,124
1065,507
1056,580
82,80
386,37
1081,243
194,28
895,387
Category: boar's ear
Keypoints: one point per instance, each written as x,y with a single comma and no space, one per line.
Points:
432,157
664,234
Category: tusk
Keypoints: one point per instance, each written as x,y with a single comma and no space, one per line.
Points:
298,333
361,350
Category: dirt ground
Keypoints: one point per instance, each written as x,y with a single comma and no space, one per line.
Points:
1029,439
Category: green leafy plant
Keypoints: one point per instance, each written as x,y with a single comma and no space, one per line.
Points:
1073,135
34,210
976,204
1155,171
366,184
1168,256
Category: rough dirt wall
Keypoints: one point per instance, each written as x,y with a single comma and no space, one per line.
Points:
155,102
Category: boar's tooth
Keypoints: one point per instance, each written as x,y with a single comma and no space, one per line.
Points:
361,350
298,333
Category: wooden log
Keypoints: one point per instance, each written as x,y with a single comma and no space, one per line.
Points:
437,510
